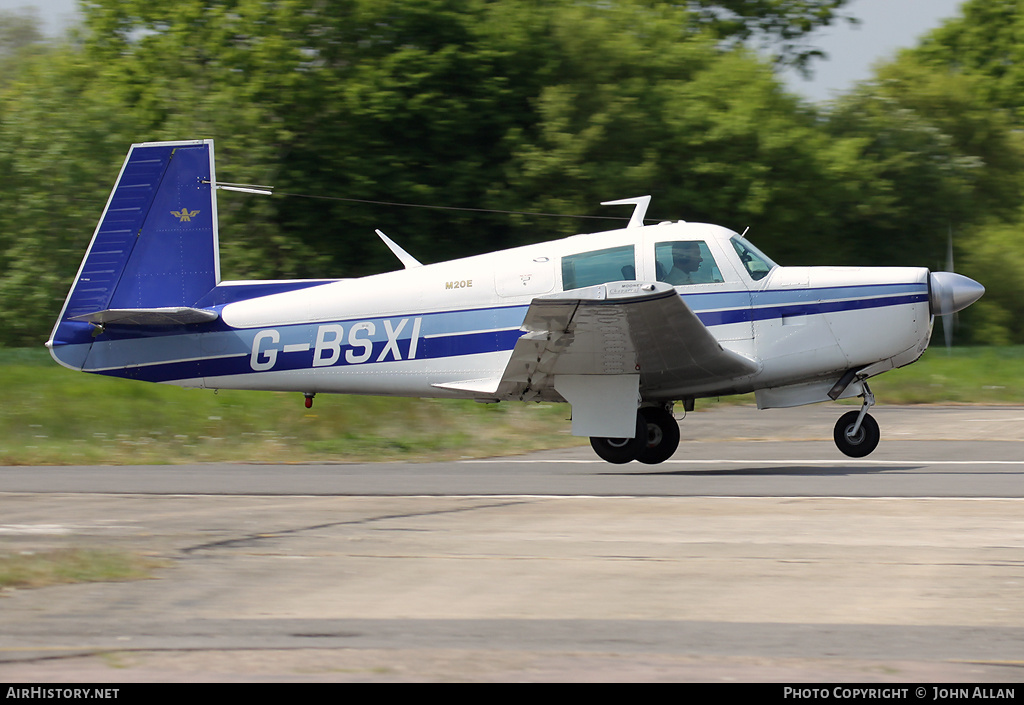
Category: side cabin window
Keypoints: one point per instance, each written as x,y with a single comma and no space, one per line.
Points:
685,262
598,267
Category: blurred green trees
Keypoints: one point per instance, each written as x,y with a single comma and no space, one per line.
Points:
512,105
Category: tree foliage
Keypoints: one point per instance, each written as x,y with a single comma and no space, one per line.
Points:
780,25
506,105
965,81
18,31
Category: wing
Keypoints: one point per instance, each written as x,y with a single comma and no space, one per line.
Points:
620,329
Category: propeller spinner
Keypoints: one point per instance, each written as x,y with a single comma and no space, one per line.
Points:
952,292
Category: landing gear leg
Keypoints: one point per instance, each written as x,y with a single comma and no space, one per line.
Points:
856,433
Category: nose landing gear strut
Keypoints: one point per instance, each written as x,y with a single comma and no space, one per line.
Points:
856,433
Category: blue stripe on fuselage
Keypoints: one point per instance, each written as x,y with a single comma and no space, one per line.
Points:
719,318
440,335
723,308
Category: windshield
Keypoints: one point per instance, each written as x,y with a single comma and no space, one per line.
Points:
756,262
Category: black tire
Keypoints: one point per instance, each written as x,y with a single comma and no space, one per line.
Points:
864,442
662,435
621,450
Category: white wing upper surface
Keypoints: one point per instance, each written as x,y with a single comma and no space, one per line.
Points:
619,328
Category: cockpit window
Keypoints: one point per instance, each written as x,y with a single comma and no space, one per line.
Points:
598,267
756,262
687,262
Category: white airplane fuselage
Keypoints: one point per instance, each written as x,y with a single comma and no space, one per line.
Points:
403,332
581,319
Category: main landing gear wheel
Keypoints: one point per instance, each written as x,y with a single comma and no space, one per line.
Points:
662,435
621,450
861,443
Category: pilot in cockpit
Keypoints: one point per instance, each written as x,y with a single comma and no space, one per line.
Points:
686,261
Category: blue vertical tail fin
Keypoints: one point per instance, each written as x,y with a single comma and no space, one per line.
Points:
155,248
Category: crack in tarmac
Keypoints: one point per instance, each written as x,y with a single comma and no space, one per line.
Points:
252,538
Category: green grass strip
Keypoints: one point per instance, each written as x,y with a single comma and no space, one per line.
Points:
51,415
33,569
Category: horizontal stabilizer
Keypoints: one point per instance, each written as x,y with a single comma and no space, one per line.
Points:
168,316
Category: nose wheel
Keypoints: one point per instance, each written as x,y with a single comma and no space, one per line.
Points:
856,433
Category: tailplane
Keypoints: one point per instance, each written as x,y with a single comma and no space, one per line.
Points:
154,251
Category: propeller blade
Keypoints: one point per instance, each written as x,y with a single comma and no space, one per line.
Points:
951,293
948,321
949,250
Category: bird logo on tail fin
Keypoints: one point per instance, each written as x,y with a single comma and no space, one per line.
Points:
184,215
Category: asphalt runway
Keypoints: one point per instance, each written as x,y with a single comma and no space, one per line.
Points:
758,553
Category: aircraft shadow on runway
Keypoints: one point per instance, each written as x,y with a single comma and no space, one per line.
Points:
795,470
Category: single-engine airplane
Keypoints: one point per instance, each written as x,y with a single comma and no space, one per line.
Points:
620,324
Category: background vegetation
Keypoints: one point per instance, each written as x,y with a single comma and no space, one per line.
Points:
63,417
52,416
517,106
514,105
32,569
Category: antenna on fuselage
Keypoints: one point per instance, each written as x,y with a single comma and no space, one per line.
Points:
641,203
406,259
